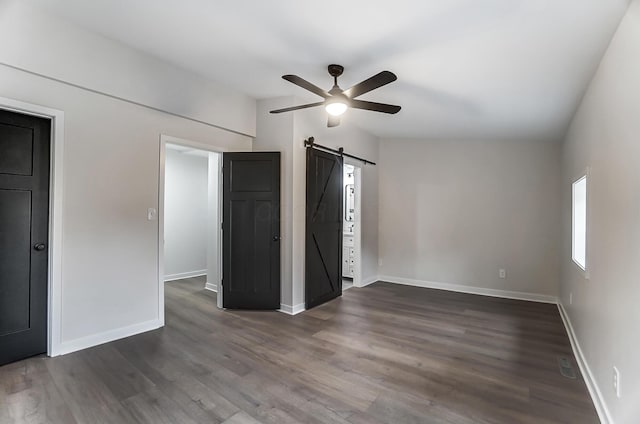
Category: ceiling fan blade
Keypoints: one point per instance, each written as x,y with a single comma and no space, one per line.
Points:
376,81
333,121
289,109
306,85
376,107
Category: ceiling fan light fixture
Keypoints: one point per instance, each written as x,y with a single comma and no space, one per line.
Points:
336,108
336,101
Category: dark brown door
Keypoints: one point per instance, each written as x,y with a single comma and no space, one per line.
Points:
251,230
24,211
323,247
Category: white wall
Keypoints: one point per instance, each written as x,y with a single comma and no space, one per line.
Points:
605,136
286,133
111,172
274,132
40,42
111,159
186,213
456,212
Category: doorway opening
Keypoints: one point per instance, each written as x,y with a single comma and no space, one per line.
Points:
190,254
200,189
352,234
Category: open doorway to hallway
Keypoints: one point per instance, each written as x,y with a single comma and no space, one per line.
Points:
192,253
196,197
352,234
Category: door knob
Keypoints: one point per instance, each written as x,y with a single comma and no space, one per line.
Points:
40,247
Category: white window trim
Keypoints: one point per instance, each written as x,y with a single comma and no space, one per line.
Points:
582,269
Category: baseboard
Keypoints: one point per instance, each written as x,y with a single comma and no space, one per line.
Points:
590,381
182,275
292,310
105,337
532,297
211,286
368,281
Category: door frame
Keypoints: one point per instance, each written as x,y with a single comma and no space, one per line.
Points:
164,139
357,233
54,265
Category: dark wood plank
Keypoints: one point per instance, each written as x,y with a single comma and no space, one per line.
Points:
382,354
28,394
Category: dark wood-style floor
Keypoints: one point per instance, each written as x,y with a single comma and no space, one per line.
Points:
381,354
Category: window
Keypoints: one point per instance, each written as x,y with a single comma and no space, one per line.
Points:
579,223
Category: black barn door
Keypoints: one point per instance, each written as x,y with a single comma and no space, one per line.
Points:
24,212
251,230
323,246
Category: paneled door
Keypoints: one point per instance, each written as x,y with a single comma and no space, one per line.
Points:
251,230
24,227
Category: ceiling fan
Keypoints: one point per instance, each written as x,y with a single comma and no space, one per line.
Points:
337,101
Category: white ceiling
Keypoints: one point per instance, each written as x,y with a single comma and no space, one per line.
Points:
467,69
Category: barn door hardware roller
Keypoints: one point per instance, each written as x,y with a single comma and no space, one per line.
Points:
310,143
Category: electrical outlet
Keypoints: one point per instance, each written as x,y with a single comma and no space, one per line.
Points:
502,273
616,382
571,298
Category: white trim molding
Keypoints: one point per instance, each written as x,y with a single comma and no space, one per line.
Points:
211,287
590,381
54,319
107,336
292,310
189,274
507,294
368,281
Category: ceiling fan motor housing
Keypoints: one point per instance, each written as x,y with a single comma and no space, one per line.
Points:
335,70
